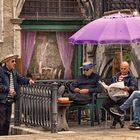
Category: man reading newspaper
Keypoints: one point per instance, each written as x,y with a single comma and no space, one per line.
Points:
122,83
115,91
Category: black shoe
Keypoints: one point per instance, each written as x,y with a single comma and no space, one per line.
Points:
121,122
113,126
117,111
134,126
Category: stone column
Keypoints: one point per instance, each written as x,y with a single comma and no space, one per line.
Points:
17,8
17,36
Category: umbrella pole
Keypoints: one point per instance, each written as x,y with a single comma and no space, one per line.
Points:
121,53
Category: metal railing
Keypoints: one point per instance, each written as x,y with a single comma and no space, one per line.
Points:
37,104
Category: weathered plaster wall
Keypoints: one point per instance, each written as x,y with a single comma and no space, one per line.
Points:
46,62
11,42
7,46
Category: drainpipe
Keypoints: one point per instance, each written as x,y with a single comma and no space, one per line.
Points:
14,39
14,16
2,26
17,104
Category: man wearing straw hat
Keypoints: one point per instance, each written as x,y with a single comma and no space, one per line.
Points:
84,86
9,80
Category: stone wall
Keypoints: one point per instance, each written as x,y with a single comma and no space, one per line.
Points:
9,45
6,46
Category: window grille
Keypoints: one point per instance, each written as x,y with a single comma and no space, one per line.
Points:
120,4
51,9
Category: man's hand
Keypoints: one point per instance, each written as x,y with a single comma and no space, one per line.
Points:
126,88
84,91
12,93
77,90
31,82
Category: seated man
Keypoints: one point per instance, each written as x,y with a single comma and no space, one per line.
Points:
85,85
130,83
121,110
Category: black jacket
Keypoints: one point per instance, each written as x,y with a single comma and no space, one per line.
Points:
5,81
87,82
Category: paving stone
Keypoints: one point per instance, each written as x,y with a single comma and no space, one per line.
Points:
76,132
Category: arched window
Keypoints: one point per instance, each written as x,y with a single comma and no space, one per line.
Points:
51,9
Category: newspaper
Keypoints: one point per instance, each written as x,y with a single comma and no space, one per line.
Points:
115,90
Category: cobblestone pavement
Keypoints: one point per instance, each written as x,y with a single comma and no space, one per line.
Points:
76,132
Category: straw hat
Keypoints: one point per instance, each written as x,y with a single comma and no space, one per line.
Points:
87,65
9,57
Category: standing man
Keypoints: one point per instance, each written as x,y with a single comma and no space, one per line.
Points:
130,83
84,86
9,80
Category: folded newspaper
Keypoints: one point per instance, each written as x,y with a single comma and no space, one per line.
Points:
115,90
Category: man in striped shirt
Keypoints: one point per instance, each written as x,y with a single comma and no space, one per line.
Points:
130,83
9,81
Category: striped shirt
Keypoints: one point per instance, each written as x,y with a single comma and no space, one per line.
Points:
121,77
11,82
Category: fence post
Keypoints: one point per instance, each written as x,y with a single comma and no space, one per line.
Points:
54,119
17,110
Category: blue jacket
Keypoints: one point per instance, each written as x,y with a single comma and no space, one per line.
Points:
129,81
5,82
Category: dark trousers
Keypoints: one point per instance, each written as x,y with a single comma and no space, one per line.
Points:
5,117
110,103
78,99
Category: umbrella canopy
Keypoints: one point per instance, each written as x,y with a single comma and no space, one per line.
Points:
114,29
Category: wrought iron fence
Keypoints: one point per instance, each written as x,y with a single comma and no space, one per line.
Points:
37,104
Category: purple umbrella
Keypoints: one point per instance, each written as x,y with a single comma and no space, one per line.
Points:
114,29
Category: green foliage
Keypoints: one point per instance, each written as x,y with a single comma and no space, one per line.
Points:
127,57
